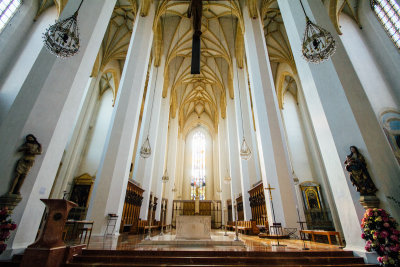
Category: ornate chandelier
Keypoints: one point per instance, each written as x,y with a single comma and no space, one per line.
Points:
227,180
145,150
245,152
318,43
62,38
165,177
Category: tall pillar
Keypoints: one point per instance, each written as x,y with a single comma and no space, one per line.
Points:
235,166
148,177
161,143
47,106
171,164
341,116
111,182
241,125
223,168
274,162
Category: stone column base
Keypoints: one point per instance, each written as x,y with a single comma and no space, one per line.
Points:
10,201
369,202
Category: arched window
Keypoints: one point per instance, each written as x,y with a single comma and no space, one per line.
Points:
198,166
388,12
7,11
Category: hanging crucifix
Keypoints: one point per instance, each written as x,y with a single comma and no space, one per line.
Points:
196,9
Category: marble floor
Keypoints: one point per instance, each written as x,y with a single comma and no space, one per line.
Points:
252,243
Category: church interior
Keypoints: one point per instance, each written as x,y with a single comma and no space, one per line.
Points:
199,133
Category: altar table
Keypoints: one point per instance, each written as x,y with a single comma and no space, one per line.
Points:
193,227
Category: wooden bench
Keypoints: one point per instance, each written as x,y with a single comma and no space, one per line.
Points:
313,233
144,225
229,226
247,227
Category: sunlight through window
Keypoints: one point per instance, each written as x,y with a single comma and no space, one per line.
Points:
388,12
7,11
198,166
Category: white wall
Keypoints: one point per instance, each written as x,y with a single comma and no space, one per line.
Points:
14,68
373,77
97,135
299,155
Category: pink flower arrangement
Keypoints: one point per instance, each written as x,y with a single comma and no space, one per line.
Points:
6,225
379,230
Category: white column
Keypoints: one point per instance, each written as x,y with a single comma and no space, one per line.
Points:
153,115
111,182
235,166
250,131
241,125
161,142
270,134
171,165
47,106
342,116
223,167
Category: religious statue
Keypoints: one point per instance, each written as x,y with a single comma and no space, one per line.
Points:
196,10
30,148
359,176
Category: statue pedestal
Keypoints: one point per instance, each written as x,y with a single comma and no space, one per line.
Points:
49,249
10,201
369,202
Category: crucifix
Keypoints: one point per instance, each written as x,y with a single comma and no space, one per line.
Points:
196,10
275,226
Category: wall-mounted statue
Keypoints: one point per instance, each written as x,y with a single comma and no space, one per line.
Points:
359,175
30,148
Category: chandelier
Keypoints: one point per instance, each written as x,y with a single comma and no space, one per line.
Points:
318,43
227,180
145,150
245,152
165,177
62,38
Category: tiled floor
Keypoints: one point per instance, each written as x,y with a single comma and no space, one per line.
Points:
252,243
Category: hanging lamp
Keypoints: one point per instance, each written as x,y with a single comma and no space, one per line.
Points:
245,152
62,38
318,44
145,149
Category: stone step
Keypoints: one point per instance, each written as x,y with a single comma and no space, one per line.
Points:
219,253
211,265
232,260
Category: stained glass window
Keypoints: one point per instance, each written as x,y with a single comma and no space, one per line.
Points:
7,11
388,12
198,166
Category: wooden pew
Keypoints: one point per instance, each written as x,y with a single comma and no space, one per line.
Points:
326,233
247,227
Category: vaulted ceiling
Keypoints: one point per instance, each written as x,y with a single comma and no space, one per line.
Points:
198,99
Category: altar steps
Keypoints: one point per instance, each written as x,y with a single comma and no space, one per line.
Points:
123,258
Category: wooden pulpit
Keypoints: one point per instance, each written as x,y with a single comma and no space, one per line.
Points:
49,249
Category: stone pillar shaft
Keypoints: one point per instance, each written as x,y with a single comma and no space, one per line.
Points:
111,182
275,168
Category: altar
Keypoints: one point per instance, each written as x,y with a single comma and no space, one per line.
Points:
193,227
